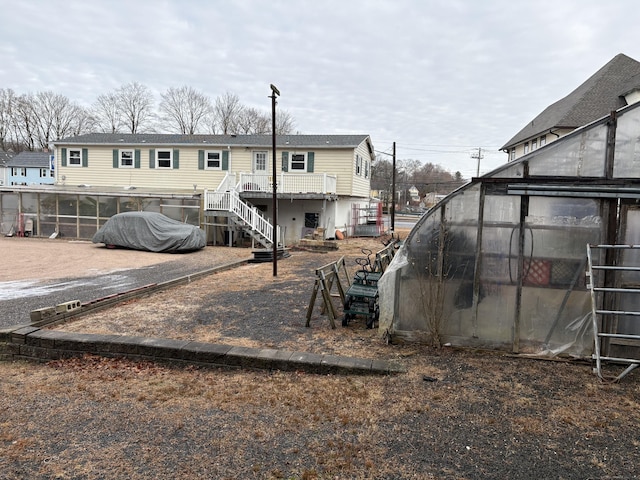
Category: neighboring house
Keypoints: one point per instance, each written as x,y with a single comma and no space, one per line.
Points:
4,158
320,179
30,168
614,86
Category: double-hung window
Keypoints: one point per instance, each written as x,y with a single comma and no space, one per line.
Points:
164,159
44,172
126,158
213,160
299,162
358,165
75,158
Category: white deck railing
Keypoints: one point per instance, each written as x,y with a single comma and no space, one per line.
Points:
288,183
230,202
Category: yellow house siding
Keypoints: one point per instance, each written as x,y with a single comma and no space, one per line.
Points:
100,171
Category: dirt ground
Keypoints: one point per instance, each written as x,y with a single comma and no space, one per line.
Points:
455,414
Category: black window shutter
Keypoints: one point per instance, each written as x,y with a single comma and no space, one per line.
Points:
137,159
225,160
116,159
285,161
152,158
85,157
200,159
63,162
310,159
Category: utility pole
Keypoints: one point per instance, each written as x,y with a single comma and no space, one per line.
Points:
274,93
479,155
393,191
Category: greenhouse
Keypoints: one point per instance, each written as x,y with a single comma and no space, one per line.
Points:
501,263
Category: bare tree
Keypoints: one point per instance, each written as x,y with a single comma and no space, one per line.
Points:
24,122
225,114
7,106
184,109
285,123
135,104
252,121
106,113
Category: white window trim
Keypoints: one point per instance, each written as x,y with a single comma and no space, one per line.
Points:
358,165
306,164
133,158
206,159
170,158
72,164
266,160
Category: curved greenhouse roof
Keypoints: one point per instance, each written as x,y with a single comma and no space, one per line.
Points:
500,263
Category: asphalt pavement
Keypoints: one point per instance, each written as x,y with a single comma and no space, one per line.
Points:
19,298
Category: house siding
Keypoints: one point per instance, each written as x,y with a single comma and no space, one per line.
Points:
100,169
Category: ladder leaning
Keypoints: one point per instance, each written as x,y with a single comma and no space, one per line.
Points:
618,292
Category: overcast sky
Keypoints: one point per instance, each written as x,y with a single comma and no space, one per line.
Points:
440,78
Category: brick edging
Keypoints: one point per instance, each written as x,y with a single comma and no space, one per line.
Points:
32,343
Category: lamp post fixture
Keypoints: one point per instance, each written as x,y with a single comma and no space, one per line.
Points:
274,93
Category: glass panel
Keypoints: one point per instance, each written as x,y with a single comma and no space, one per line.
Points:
513,170
128,204
497,294
68,205
172,208
581,154
9,218
47,221
556,306
107,207
88,206
627,155
151,204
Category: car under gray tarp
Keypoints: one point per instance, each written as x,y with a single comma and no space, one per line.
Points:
150,231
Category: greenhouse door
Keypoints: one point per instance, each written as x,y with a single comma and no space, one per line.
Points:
627,279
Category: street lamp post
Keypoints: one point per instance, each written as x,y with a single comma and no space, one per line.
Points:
274,93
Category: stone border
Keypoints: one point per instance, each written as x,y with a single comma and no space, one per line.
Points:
35,344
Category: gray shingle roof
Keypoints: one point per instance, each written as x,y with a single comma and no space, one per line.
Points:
4,158
302,141
30,159
602,92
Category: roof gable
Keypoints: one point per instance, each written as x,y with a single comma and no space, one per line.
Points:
600,94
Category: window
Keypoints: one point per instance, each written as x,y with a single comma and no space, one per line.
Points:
260,161
44,172
213,160
75,158
311,220
126,158
526,148
534,144
299,161
358,165
366,169
513,154
543,140
164,159
14,171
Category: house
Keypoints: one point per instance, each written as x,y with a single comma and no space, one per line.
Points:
4,158
320,179
30,168
614,86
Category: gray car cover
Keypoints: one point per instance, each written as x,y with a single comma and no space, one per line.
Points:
149,231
